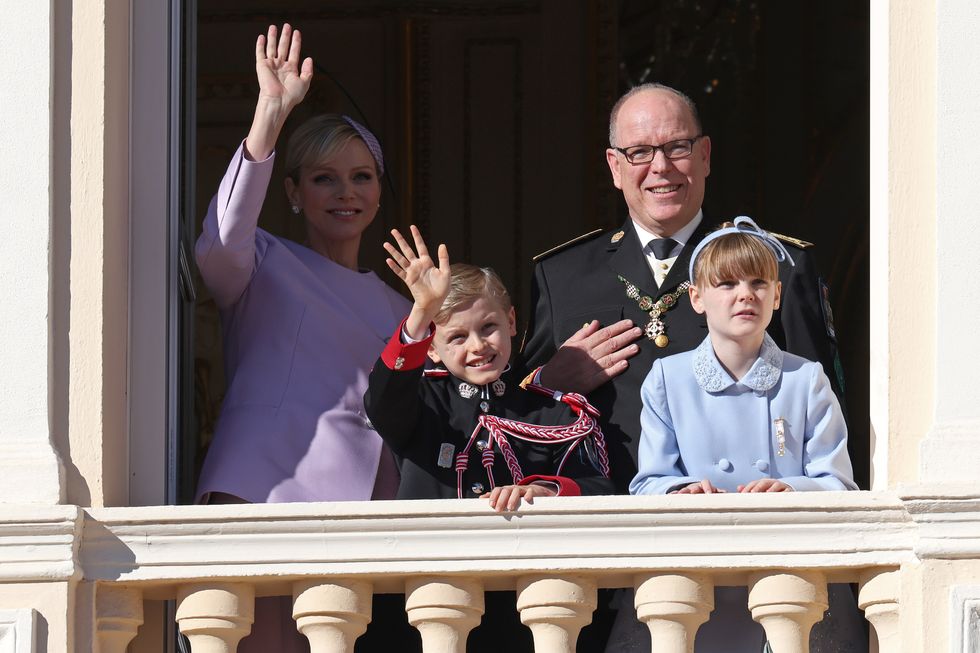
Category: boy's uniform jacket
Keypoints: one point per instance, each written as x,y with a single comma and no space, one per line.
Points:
426,421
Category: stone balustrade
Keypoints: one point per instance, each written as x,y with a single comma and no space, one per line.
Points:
443,555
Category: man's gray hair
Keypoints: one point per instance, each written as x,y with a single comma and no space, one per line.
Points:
643,88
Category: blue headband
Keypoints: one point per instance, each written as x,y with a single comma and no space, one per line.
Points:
743,225
373,146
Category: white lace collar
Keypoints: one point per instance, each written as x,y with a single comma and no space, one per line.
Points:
762,376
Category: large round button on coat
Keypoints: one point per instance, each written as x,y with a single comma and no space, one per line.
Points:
724,464
762,465
477,488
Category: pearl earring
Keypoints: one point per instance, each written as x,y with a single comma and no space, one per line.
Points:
295,209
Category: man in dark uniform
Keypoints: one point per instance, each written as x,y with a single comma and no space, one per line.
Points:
617,300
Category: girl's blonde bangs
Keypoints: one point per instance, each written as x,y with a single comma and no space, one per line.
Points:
735,256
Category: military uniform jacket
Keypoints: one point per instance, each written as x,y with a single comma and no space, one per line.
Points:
426,421
580,283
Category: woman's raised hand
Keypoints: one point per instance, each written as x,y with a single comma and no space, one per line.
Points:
428,282
283,83
281,77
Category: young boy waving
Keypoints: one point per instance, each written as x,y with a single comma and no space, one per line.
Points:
468,428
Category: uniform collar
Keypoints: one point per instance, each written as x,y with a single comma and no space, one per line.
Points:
682,236
468,391
762,376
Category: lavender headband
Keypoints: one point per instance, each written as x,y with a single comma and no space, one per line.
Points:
743,225
373,146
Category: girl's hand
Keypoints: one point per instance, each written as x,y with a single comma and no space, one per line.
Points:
508,497
428,283
700,487
282,79
765,485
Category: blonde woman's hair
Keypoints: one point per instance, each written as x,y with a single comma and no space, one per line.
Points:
734,256
467,283
319,139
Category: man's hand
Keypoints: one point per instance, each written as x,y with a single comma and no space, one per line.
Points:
591,357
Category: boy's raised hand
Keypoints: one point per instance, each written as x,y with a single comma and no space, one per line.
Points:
428,282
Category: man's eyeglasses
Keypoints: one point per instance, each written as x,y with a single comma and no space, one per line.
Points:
639,154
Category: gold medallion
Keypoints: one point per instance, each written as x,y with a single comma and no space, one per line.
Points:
655,329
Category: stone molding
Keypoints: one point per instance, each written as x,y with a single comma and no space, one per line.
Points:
610,538
964,612
18,631
40,543
827,530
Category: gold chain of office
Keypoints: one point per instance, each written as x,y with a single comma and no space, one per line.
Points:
655,329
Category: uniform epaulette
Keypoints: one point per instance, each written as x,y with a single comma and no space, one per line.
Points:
573,241
436,373
802,244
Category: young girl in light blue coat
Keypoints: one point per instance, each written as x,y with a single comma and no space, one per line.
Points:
738,414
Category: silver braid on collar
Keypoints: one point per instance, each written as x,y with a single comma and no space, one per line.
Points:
743,225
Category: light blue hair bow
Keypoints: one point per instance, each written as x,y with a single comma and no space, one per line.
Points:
743,225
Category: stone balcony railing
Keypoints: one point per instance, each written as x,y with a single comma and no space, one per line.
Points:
214,560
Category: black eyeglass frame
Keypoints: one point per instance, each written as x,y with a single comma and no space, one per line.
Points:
662,147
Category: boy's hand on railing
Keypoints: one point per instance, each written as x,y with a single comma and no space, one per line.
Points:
508,497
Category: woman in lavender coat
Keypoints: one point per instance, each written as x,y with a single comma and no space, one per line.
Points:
302,324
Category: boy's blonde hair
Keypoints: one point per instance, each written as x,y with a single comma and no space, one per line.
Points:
467,283
734,256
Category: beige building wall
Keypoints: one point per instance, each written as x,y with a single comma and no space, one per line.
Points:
98,269
64,278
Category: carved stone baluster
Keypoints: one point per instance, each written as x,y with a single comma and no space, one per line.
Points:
879,598
787,605
119,614
555,609
215,616
332,615
673,606
444,610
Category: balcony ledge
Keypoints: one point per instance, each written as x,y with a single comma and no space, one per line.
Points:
610,538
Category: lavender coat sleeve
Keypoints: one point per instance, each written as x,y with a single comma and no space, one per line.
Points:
225,250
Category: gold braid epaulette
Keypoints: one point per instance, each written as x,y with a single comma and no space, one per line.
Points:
566,244
802,244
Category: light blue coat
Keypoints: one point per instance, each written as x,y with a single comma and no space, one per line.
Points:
698,423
